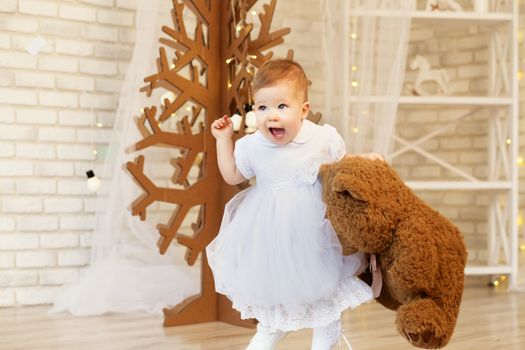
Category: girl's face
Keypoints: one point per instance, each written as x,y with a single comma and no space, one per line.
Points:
280,112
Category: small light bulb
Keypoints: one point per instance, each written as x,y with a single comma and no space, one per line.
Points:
522,247
520,75
355,130
254,13
355,83
188,109
99,125
229,85
353,36
508,141
238,28
172,66
95,152
495,283
503,278
520,161
93,182
354,68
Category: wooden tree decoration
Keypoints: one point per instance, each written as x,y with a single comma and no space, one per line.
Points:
221,58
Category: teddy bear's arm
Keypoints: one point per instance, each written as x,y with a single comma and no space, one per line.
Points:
415,264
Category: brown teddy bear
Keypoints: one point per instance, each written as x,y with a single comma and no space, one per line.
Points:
421,254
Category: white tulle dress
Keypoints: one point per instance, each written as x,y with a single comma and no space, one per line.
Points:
277,257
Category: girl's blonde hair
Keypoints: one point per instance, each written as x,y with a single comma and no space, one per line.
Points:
278,70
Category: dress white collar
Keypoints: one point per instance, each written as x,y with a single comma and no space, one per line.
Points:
305,133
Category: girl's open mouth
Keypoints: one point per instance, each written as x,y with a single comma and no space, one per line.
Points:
278,133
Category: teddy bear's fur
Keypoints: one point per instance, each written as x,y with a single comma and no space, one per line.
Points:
421,254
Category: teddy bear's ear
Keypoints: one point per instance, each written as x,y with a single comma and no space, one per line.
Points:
343,183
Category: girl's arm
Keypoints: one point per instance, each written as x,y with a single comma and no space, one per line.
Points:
222,130
226,162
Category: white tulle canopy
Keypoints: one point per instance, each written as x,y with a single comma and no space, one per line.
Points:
365,46
127,273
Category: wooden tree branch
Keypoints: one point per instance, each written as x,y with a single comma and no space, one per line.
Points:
183,139
200,8
212,88
140,205
265,39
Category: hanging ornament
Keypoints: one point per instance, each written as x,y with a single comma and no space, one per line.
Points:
36,45
93,182
251,122
236,120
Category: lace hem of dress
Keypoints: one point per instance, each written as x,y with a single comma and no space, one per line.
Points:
351,292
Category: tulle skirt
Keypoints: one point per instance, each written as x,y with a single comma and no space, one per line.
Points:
279,260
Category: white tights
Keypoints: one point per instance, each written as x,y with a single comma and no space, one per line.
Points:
326,337
264,339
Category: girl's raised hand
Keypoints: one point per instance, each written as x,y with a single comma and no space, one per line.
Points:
222,128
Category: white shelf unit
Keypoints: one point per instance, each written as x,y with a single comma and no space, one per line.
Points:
502,235
438,100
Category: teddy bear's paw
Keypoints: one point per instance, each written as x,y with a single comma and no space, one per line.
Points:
424,324
425,340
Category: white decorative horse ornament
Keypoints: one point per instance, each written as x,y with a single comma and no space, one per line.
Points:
441,5
427,74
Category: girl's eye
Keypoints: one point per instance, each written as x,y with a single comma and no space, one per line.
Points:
282,106
261,108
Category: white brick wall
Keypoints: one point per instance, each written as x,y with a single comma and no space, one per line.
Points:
49,105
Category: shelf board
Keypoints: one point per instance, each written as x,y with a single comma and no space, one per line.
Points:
437,100
488,270
465,18
443,18
457,100
460,185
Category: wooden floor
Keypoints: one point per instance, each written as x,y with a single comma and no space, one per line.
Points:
490,318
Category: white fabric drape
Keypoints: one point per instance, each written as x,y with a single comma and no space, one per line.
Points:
127,273
365,45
